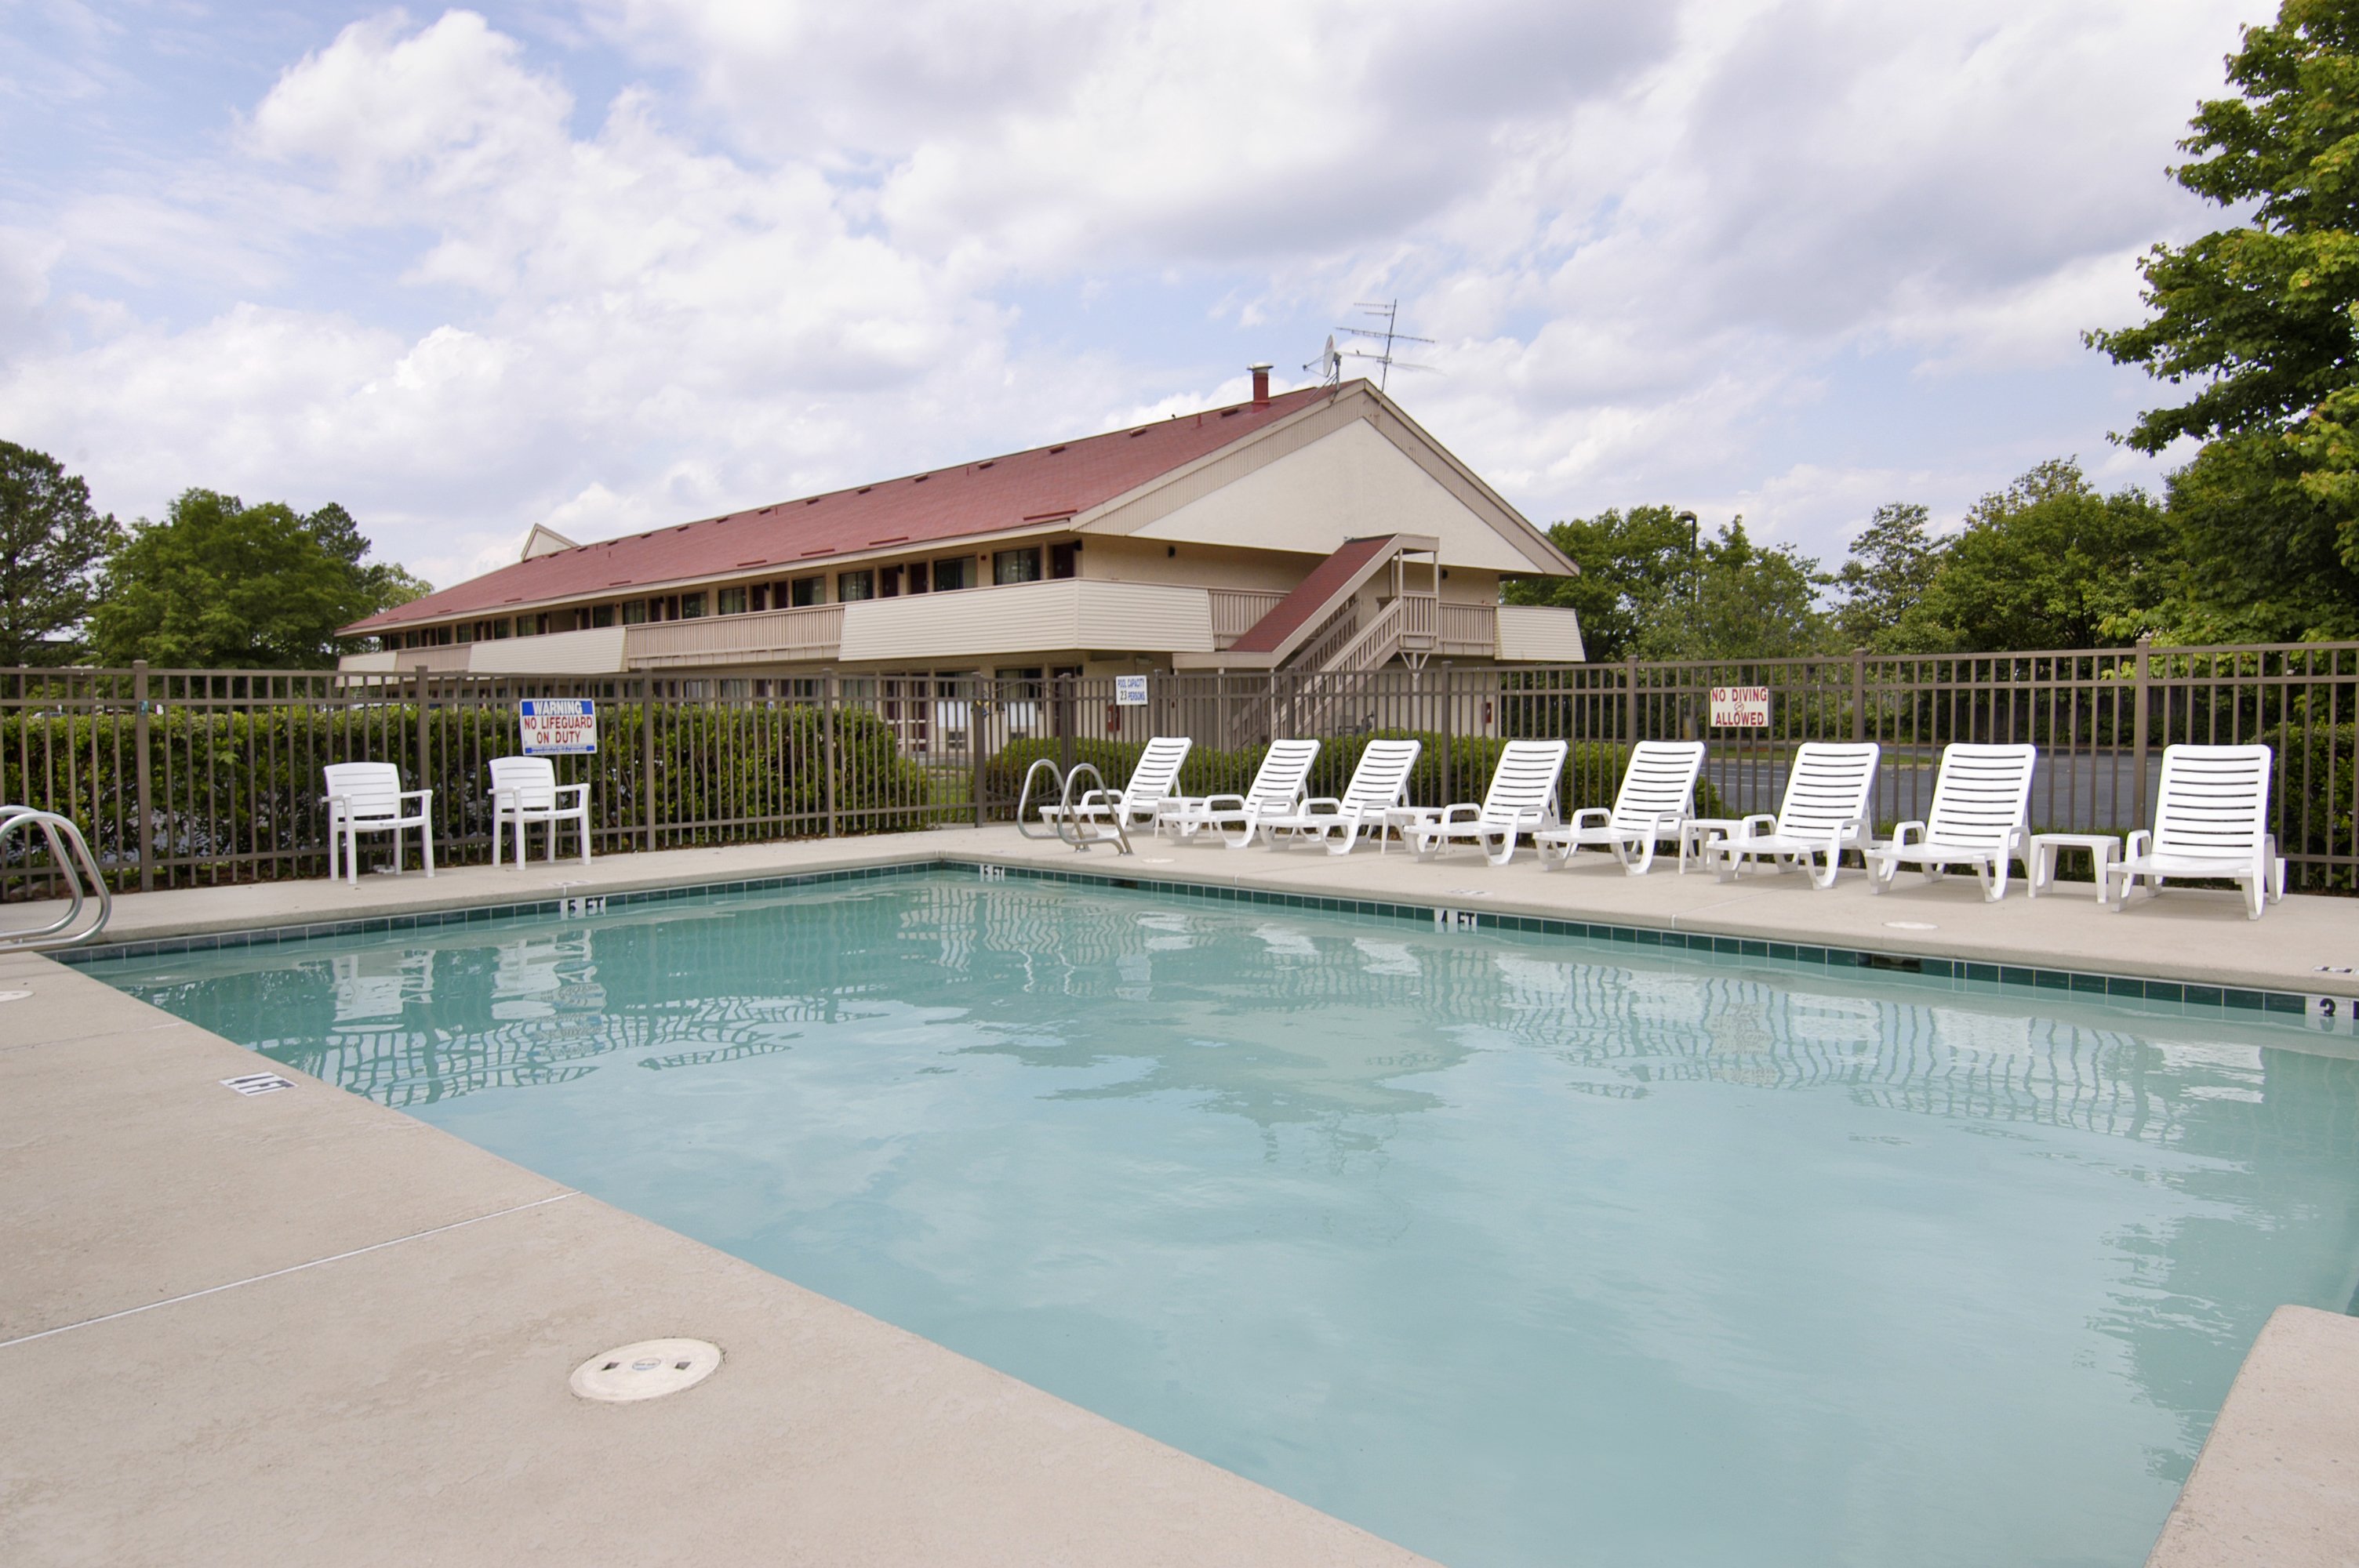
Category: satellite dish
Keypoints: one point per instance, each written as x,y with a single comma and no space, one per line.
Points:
1328,364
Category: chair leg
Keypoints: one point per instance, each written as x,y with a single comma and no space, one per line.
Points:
582,826
426,847
351,856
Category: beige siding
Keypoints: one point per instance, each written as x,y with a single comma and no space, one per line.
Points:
1539,634
1036,617
1349,485
593,653
774,636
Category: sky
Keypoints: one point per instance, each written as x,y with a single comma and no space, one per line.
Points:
615,264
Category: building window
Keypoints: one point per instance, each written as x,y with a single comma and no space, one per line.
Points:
1016,566
916,577
850,586
1064,560
888,582
691,607
807,591
635,612
952,574
730,602
603,615
500,630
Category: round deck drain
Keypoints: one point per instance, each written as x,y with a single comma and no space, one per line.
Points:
13,996
646,1370
1912,926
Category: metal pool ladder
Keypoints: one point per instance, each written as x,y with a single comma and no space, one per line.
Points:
70,851
1070,828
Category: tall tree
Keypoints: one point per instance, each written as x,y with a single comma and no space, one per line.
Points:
1880,588
51,545
2047,563
1626,561
222,585
2259,319
1742,603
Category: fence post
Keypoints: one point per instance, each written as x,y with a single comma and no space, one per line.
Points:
1859,694
2139,739
1630,700
647,755
425,758
830,697
974,722
139,734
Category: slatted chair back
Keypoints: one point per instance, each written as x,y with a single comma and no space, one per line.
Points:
524,784
1157,776
369,789
1525,784
1829,785
2214,803
1380,778
1983,798
1277,783
1659,782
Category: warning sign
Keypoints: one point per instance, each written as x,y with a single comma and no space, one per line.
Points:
558,726
1740,706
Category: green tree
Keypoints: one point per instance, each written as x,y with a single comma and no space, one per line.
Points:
2047,563
2261,321
222,585
51,545
1626,561
1743,602
1881,587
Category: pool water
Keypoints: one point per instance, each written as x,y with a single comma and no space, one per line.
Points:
1514,1249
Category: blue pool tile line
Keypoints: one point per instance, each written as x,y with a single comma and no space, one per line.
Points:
1950,974
435,919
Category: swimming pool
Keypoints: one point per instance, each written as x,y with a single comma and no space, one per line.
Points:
1513,1249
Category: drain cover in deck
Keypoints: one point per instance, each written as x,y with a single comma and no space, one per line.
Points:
646,1370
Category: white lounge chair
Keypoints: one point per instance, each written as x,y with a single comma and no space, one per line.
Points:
1981,817
524,791
1522,799
1152,783
365,797
1657,798
2212,819
1277,790
1823,814
1379,783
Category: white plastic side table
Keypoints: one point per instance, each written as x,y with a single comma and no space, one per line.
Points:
2102,848
1696,831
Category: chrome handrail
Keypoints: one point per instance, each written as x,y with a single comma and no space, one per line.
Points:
1024,800
70,851
1082,835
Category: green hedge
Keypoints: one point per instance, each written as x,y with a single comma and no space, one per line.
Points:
1449,769
235,793
2315,777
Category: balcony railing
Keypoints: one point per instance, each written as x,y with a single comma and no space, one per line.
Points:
1237,609
771,636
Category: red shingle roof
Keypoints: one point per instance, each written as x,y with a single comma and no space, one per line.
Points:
982,497
1312,594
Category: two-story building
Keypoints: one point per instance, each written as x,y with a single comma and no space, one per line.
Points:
1316,530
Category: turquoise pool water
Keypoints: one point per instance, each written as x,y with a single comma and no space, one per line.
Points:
1517,1250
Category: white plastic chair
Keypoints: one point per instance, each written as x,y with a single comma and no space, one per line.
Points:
1522,799
2210,820
524,791
1657,798
365,797
1981,817
1148,789
1379,783
1823,814
1277,789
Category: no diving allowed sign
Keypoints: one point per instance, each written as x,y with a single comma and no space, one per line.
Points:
558,726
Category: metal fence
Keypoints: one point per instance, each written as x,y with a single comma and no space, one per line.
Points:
182,778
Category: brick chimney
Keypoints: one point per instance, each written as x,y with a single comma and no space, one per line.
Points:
1261,386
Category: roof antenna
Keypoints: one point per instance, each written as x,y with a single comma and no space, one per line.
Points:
1389,312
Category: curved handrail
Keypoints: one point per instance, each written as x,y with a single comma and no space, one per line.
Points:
70,851
1024,800
1082,835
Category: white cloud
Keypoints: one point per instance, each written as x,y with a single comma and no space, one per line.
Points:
422,276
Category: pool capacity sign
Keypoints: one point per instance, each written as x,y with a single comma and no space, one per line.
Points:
558,726
1740,706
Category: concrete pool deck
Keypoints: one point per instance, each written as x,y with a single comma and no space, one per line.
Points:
301,1327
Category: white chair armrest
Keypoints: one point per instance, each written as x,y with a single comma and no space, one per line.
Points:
2139,842
579,792
1212,802
1906,830
1581,819
1332,803
1751,826
1464,811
